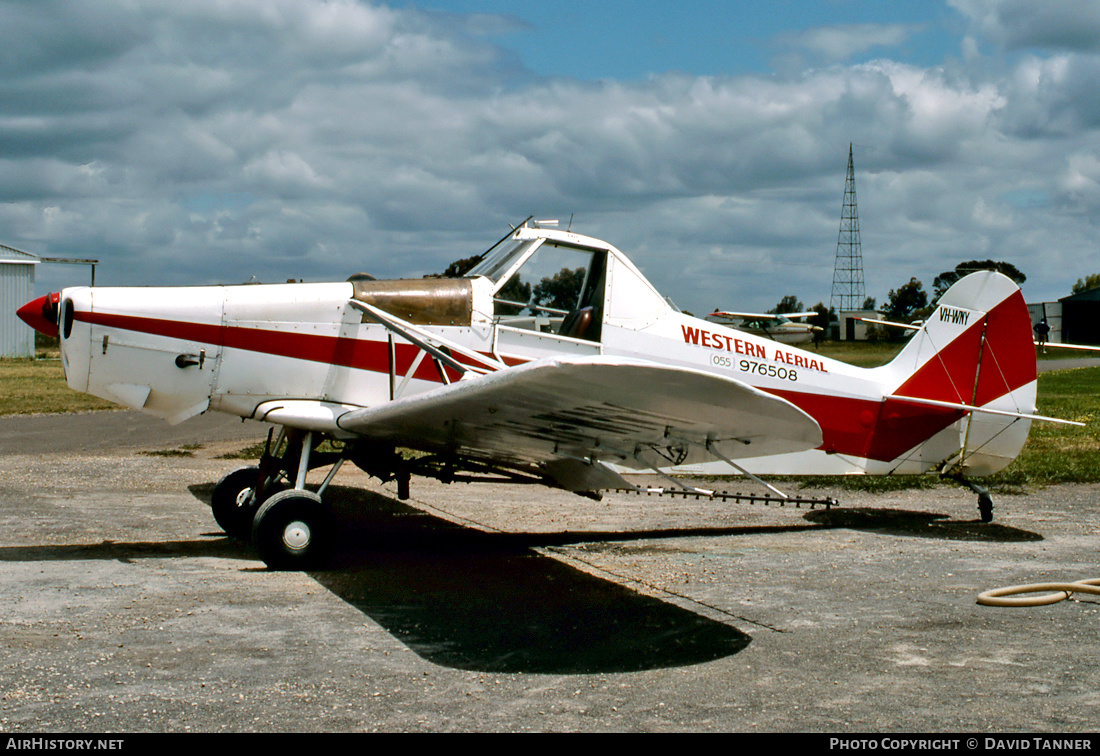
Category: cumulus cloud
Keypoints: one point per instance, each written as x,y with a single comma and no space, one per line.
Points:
209,142
833,44
1019,24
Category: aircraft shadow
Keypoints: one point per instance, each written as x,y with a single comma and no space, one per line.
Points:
485,601
128,551
900,522
470,599
489,602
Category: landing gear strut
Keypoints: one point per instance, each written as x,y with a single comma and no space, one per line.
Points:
238,496
290,528
985,505
985,500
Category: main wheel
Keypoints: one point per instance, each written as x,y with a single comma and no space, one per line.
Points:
232,502
292,530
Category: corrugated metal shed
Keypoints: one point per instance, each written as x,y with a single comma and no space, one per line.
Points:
16,289
1052,312
1081,317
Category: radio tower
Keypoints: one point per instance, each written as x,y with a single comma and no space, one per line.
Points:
848,292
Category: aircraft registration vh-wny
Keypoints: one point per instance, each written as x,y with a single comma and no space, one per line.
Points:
485,386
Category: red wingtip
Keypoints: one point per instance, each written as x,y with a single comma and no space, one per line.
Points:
41,314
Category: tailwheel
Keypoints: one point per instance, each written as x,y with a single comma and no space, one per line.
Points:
233,503
292,530
985,500
985,506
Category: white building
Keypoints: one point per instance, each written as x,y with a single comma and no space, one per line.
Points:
851,327
16,289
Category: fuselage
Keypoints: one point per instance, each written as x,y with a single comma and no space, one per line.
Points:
304,353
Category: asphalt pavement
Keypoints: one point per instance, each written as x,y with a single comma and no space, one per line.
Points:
516,608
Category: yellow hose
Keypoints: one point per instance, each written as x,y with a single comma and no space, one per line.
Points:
1062,592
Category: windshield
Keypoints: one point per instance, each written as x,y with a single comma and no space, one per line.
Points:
551,280
500,258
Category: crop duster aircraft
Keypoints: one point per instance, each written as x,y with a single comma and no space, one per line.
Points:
483,381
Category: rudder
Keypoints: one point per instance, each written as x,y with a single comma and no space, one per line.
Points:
975,349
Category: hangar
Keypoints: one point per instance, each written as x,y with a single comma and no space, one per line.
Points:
1081,317
16,289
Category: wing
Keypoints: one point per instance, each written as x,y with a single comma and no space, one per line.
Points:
557,414
744,315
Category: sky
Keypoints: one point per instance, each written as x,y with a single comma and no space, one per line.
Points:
221,141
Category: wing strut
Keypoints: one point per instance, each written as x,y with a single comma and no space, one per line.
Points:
429,341
689,489
710,448
743,471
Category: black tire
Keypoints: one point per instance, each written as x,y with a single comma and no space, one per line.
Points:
230,502
292,531
985,507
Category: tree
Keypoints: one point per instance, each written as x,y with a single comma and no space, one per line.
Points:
1086,283
516,290
562,291
824,318
868,304
458,268
945,280
825,315
789,303
906,302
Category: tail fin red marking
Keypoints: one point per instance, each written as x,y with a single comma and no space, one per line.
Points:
1000,343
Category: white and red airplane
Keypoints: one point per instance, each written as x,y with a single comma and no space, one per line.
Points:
613,379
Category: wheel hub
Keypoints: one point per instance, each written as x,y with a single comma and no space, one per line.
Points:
296,535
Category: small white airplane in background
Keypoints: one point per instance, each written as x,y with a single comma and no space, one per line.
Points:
779,327
489,388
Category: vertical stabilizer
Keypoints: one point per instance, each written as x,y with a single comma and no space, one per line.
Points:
975,349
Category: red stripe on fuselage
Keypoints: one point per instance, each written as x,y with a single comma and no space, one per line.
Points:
359,354
879,430
884,430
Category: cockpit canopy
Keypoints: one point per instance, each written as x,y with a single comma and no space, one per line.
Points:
542,283
565,283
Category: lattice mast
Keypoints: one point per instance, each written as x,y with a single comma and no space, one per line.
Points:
848,291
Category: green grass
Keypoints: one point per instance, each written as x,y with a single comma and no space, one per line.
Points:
187,450
860,353
1060,453
30,387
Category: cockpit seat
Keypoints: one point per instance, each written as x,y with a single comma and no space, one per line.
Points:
575,325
